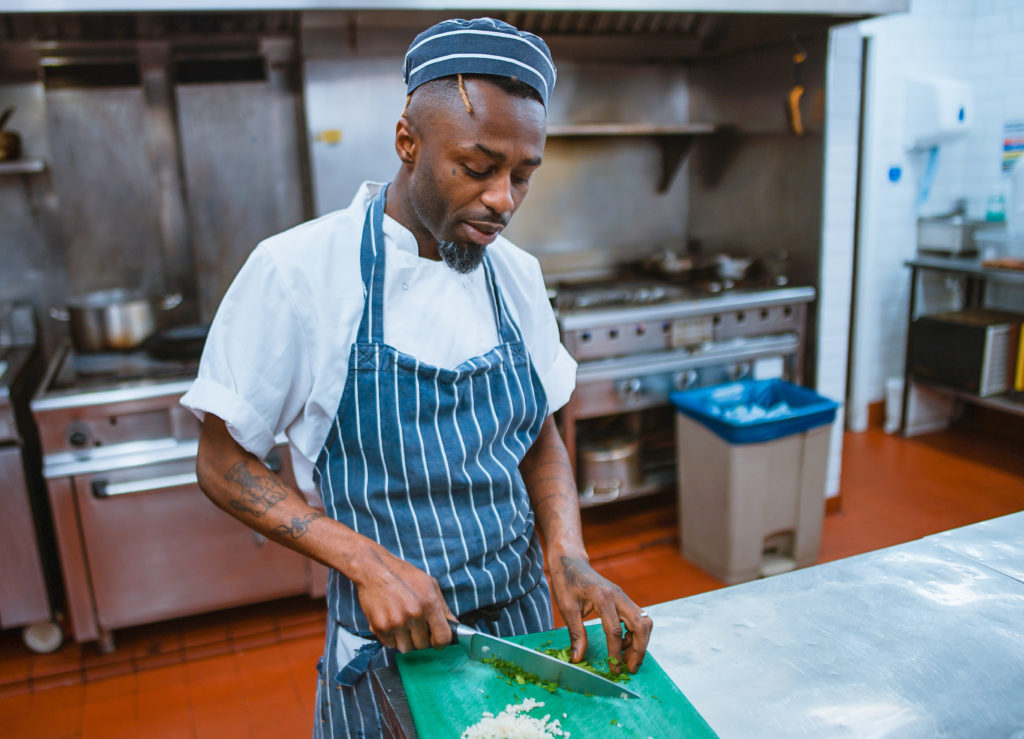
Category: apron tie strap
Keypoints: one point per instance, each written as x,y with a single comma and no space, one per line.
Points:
359,664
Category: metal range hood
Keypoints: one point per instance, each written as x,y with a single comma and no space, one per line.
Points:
591,30
850,8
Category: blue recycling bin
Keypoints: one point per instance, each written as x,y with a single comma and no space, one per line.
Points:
751,460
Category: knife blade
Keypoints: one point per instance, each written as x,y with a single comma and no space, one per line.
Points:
480,646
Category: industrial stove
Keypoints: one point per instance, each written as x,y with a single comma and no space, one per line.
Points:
138,540
638,340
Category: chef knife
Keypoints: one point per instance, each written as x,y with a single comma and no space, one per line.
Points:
480,646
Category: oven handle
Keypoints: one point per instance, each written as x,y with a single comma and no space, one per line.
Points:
106,489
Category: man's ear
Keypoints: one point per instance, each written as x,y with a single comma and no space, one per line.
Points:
406,141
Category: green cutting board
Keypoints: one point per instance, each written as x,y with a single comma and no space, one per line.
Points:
448,692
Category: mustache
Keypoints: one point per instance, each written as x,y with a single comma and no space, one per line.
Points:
492,218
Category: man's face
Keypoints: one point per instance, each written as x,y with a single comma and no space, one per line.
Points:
472,171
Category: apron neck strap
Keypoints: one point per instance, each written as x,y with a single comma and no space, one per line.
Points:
371,265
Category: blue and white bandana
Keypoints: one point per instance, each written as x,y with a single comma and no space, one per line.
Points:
480,46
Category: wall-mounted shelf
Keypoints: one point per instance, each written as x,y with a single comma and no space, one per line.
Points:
22,166
674,140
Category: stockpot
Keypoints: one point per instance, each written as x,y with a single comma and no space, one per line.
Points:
610,469
112,320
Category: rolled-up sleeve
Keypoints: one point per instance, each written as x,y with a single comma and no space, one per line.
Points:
255,370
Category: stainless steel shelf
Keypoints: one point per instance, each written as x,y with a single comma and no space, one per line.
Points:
673,139
1005,402
23,166
629,129
969,266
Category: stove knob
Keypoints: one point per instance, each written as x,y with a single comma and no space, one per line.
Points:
632,389
79,436
685,380
739,370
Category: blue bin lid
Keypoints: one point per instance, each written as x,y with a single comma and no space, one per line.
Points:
751,411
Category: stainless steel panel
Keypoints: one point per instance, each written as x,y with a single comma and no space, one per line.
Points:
109,202
619,386
729,301
911,641
240,145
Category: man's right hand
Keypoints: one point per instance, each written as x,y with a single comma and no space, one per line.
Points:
402,602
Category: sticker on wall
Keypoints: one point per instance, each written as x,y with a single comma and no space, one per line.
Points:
1013,143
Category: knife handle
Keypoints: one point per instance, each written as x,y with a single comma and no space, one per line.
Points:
461,633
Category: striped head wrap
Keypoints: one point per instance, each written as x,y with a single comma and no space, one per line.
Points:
480,46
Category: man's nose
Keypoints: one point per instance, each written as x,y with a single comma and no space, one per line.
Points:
498,196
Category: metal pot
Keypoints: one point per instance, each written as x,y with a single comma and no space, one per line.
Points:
112,320
610,469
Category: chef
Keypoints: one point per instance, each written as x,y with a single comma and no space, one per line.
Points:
409,353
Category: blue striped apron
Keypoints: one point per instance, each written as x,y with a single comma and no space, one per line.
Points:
425,461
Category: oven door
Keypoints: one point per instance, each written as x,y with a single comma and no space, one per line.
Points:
157,548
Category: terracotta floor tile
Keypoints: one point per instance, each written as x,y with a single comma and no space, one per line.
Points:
60,680
14,705
287,727
205,634
212,649
65,659
15,665
98,673
109,716
246,642
57,712
18,687
256,623
160,660
111,687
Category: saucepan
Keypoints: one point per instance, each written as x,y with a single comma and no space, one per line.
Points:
610,468
112,320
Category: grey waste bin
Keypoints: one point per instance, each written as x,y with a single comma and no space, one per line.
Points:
752,458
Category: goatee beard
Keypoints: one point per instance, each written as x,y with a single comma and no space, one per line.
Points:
463,258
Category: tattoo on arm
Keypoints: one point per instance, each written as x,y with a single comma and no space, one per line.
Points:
571,570
258,493
299,526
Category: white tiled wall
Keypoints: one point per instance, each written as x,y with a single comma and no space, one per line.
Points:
980,42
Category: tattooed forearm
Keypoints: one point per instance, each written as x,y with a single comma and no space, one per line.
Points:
299,526
258,494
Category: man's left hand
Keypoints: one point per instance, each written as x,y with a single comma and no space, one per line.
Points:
580,591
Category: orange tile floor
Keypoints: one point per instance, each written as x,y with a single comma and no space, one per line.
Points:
249,672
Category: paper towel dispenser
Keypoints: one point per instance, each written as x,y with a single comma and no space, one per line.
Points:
938,110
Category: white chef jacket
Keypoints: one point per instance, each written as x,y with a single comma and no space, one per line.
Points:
276,358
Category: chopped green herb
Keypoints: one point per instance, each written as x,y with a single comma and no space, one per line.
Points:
515,675
613,722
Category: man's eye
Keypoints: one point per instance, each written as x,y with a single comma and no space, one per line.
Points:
474,173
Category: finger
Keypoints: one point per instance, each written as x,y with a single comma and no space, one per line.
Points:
403,641
612,626
577,634
439,620
639,626
419,632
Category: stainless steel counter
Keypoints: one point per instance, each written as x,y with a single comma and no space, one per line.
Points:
924,639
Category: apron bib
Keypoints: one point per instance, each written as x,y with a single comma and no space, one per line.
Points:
425,461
